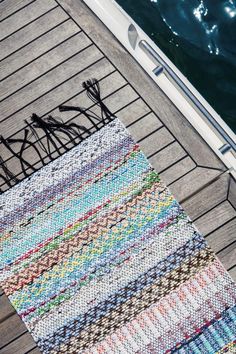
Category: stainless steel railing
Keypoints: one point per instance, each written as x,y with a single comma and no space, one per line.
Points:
162,65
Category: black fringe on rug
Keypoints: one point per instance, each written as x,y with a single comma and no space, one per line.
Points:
50,137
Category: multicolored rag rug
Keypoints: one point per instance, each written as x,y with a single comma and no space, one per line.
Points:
97,256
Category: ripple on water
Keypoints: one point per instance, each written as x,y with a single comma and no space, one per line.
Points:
199,36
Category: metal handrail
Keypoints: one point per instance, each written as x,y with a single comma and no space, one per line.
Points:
147,48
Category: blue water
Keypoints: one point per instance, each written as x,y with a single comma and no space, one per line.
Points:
199,36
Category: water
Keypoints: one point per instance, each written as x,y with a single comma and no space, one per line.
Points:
199,37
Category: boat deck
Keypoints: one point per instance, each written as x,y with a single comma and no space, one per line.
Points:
48,48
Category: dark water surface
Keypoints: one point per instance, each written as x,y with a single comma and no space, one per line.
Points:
199,37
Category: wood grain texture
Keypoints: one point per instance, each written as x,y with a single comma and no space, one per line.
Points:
192,182
51,79
25,16
224,235
50,99
232,192
232,272
38,47
181,168
10,329
43,65
34,351
9,7
216,217
120,99
110,82
133,112
156,141
28,34
144,127
228,255
208,198
168,156
21,345
6,309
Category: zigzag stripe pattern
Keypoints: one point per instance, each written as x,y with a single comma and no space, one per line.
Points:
95,331
80,239
98,257
74,188
132,289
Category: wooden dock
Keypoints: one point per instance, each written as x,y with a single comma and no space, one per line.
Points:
48,48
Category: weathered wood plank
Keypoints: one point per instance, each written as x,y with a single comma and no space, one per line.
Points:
109,83
47,83
223,236
29,33
156,141
228,256
6,309
208,198
167,157
133,112
232,273
192,182
232,192
8,7
215,218
11,328
161,105
178,170
144,126
41,45
59,94
43,65
120,99
51,79
34,351
21,345
24,16
115,96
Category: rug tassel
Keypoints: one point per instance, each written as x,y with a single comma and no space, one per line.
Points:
88,114
52,126
49,131
8,175
92,88
8,142
94,93
53,130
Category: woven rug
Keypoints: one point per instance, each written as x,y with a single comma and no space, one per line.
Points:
97,256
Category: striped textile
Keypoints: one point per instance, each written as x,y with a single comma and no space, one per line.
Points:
97,256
